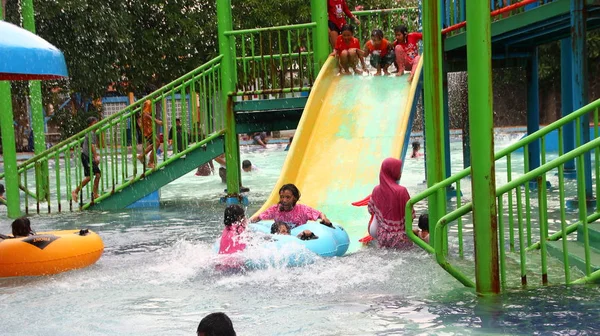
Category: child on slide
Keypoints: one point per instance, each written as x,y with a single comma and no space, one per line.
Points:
348,52
406,50
379,49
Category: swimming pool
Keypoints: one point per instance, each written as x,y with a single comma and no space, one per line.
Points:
157,277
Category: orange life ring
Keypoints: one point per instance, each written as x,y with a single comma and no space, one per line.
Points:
49,252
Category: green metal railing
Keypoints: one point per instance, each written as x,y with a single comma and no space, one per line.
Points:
524,206
273,60
386,20
193,98
281,59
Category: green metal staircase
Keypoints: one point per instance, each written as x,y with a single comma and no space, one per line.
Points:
194,98
533,220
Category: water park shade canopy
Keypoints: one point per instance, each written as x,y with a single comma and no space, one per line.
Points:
26,56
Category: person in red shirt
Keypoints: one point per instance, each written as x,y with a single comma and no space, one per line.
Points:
347,49
379,49
406,50
335,11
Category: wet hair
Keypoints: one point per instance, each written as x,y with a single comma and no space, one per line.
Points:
292,188
233,213
246,164
223,174
377,33
276,225
2,189
347,27
21,227
416,145
424,222
91,120
216,324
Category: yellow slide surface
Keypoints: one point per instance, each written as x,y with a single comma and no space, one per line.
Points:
349,126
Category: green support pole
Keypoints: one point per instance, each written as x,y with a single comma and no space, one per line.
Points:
434,108
9,151
228,80
37,113
321,33
481,124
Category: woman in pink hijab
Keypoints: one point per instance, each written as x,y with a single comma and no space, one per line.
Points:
388,204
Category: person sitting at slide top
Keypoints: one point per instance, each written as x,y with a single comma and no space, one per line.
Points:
406,50
380,50
348,52
288,211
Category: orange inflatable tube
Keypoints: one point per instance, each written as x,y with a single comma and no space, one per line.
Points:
49,252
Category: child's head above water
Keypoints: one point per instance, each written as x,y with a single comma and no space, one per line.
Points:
288,196
280,228
424,222
21,227
246,165
233,213
416,146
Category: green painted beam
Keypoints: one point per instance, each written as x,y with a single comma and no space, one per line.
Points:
164,176
593,233
549,11
270,104
271,120
576,254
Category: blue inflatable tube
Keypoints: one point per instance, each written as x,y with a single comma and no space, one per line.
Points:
332,242
290,251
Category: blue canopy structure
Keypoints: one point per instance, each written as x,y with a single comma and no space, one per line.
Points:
26,56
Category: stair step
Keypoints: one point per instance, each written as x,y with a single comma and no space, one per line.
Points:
593,232
576,254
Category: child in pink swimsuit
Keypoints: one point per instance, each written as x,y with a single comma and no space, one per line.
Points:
235,224
288,211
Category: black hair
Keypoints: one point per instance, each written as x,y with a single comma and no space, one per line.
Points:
276,225
292,188
401,29
91,120
291,138
21,227
2,189
246,164
347,27
377,33
216,324
416,145
424,222
233,213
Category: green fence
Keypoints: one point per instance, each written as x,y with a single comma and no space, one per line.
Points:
193,98
525,205
273,60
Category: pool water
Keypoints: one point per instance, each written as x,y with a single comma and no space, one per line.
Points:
157,277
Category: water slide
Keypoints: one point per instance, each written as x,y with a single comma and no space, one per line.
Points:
349,125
